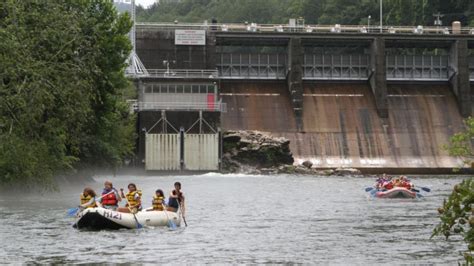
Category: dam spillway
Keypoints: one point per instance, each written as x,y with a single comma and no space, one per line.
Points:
341,99
341,125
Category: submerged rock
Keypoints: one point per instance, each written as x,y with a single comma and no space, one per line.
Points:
347,171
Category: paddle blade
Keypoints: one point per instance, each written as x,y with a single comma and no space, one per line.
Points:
426,189
368,189
139,226
185,223
171,225
72,211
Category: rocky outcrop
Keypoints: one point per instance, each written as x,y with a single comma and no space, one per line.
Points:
247,150
255,152
307,164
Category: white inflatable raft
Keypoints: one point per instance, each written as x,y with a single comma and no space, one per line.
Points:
100,219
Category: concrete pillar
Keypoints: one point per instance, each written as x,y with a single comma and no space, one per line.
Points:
141,138
140,86
295,78
140,143
211,53
459,79
378,77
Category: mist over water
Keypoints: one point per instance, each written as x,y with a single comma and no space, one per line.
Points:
239,219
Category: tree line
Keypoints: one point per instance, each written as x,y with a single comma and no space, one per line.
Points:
62,87
348,12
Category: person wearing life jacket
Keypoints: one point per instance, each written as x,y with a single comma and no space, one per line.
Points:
176,199
381,181
397,182
87,198
404,182
158,201
133,198
110,196
388,184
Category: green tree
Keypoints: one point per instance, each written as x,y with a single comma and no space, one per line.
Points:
61,86
396,12
457,212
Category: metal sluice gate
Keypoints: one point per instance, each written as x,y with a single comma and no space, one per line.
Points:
181,149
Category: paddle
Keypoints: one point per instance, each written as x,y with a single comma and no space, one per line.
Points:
182,215
425,189
422,188
73,211
373,192
367,189
139,226
171,224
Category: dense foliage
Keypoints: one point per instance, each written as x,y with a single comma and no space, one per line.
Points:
457,212
61,88
396,12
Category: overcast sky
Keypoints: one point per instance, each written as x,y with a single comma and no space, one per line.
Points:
144,3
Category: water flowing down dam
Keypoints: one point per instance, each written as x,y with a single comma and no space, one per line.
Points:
341,125
387,101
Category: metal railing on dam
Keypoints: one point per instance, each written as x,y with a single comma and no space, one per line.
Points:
319,67
181,106
418,67
335,67
308,29
328,52
252,66
183,73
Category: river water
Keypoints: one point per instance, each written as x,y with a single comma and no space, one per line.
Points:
240,219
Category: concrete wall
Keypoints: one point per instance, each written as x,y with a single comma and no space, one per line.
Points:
342,126
459,81
155,46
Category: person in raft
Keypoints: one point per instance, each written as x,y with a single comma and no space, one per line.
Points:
110,196
133,198
382,182
158,201
87,198
176,199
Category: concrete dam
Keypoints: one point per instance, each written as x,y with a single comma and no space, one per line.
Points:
375,101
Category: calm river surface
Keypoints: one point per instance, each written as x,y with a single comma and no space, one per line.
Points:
239,219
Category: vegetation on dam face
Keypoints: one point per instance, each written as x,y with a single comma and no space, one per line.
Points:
61,88
348,12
